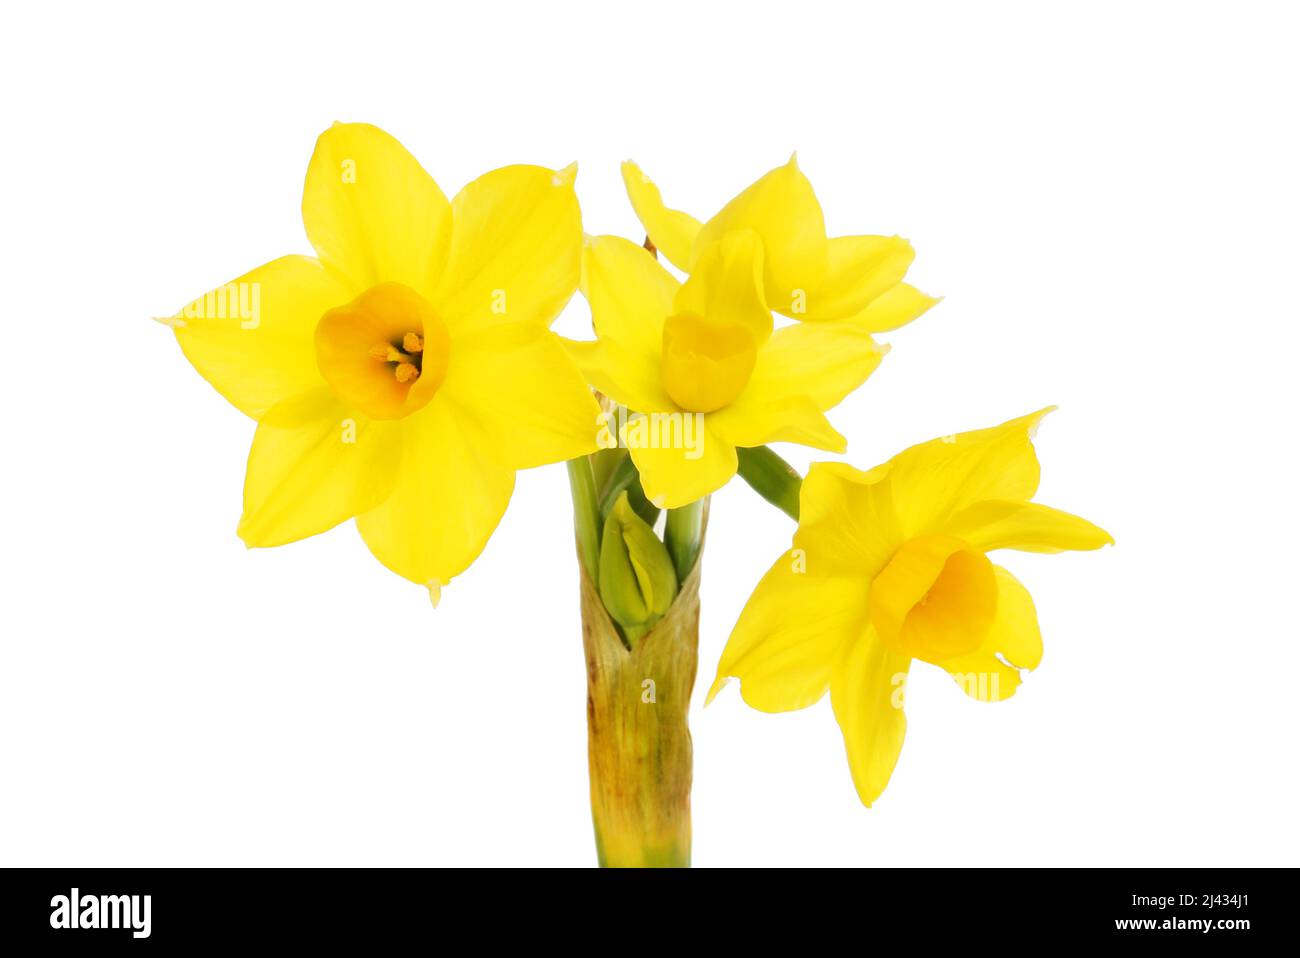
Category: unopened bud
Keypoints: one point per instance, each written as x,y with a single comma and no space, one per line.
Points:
637,581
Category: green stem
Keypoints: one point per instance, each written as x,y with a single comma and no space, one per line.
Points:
623,476
772,478
603,462
586,518
682,531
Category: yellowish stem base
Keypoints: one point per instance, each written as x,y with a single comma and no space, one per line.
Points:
638,743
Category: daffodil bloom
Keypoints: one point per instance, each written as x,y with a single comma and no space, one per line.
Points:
890,565
806,275
704,364
403,375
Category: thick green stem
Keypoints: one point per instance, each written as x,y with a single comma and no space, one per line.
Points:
586,519
772,478
682,531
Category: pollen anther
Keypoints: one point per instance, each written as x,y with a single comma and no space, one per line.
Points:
389,353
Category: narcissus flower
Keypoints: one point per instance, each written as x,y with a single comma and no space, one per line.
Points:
805,275
890,565
702,361
405,374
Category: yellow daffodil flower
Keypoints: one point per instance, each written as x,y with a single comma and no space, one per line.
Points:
702,362
403,375
888,566
805,275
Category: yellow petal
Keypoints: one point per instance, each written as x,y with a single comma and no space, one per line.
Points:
823,361
790,635
934,480
1014,642
630,378
859,269
515,247
782,208
672,231
517,387
892,309
630,295
447,500
754,421
867,691
372,212
315,463
253,338
800,371
679,457
725,287
1027,526
847,523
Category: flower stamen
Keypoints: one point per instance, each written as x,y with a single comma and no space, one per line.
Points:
407,366
388,353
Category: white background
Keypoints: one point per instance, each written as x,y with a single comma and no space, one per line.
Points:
1106,194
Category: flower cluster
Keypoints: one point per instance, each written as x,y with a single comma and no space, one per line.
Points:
402,375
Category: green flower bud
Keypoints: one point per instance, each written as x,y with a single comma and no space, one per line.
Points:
637,581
